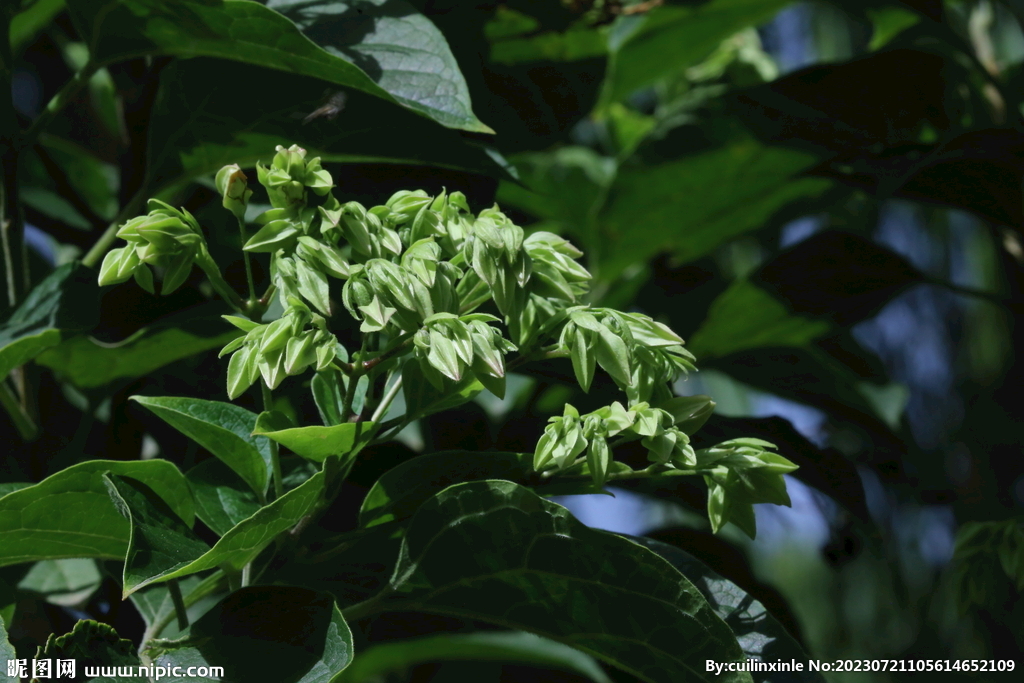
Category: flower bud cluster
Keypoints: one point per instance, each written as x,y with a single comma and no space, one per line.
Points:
165,238
447,345
286,346
288,176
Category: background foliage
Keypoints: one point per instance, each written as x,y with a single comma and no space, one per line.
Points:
823,199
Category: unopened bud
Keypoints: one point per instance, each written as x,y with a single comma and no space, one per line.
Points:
232,184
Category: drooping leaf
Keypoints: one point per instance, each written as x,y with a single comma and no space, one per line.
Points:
87,364
222,498
243,542
194,131
399,48
300,635
221,428
401,490
66,301
160,541
648,46
69,514
547,573
64,582
34,16
837,275
513,647
318,443
747,317
761,636
249,32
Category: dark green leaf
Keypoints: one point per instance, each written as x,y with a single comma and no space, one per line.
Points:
69,514
747,317
194,127
761,636
547,573
222,498
513,647
9,487
328,394
248,32
243,542
221,428
650,46
399,48
400,491
87,364
160,543
66,301
422,399
25,25
91,643
299,634
155,603
64,582
318,443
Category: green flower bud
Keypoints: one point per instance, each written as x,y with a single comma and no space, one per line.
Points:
234,189
406,204
118,265
299,353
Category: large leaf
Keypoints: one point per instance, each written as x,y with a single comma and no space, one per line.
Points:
402,489
88,364
66,301
69,514
160,542
299,634
747,317
249,32
761,636
221,428
545,572
318,443
706,198
222,498
513,647
195,127
647,47
92,644
235,549
399,48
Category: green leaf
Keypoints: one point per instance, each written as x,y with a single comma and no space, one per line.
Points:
243,542
194,131
66,582
65,301
91,643
513,647
221,428
300,636
7,653
709,198
399,492
550,46
249,32
760,635
155,603
328,394
10,486
222,498
318,443
645,48
547,573
747,317
160,541
87,364
421,399
27,24
69,514
401,49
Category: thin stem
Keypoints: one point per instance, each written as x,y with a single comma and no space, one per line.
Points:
246,574
208,586
385,402
275,455
217,281
248,261
544,354
26,426
367,607
179,604
58,102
